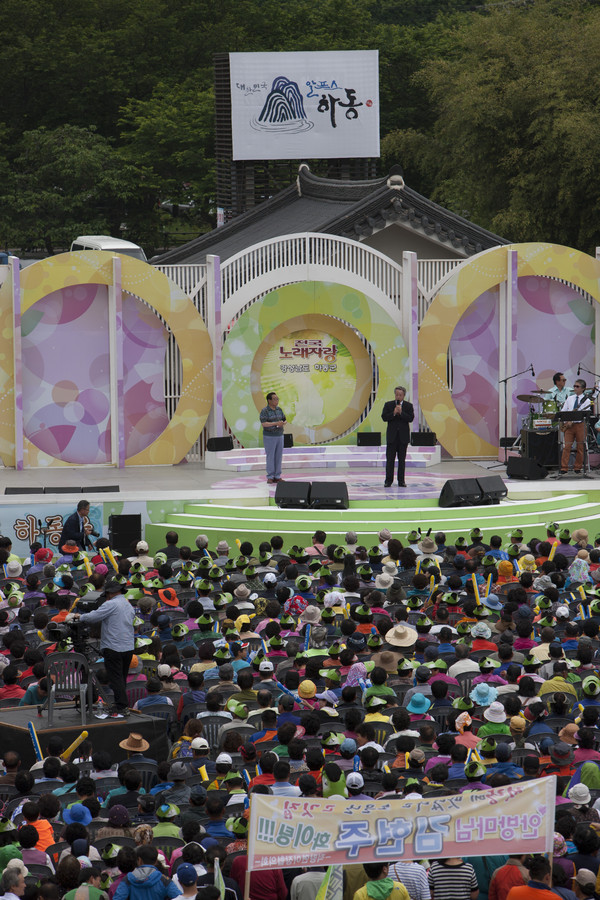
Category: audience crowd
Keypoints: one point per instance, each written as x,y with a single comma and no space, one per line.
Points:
409,668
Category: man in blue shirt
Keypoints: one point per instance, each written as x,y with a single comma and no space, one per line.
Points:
116,616
272,420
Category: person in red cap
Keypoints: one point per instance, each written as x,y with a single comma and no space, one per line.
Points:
40,558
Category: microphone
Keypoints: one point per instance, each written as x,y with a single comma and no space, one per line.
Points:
579,369
531,367
40,526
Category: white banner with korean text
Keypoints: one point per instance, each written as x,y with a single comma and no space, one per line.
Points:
311,105
284,831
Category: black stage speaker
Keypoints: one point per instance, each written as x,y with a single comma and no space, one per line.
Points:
542,447
213,445
288,440
521,467
103,489
124,532
329,495
423,439
368,439
65,490
460,492
292,494
23,490
492,489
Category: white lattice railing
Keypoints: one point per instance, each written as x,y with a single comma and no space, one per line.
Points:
431,274
192,279
307,257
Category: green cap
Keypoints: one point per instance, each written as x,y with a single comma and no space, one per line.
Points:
167,811
332,674
591,686
486,662
302,583
180,630
465,704
237,825
475,769
415,602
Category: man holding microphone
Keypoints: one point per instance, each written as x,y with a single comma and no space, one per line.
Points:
398,413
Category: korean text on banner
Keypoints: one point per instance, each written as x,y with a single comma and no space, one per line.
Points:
283,832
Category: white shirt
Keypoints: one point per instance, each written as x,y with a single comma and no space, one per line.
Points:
569,404
285,789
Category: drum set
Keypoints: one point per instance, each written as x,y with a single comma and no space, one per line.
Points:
543,419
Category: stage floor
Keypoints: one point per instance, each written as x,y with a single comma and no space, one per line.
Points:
193,482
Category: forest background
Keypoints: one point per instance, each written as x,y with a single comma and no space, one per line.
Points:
107,109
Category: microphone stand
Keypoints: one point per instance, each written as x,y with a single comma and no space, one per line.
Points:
505,381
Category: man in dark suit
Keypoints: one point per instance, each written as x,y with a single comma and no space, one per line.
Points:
76,528
397,413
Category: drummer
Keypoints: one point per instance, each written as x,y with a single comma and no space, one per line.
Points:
560,391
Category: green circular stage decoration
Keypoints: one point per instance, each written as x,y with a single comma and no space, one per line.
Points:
322,393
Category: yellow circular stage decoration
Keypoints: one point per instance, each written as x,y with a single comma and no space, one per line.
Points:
351,406
180,315
473,278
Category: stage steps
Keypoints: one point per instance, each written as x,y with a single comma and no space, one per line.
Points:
337,456
258,523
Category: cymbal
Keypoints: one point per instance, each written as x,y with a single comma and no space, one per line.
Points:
537,391
529,398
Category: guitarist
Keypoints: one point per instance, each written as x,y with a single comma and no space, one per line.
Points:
574,432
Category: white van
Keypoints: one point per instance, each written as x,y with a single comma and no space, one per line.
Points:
111,244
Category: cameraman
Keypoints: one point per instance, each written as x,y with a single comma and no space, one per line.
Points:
116,616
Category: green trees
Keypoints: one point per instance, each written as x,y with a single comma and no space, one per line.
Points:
64,182
107,107
515,142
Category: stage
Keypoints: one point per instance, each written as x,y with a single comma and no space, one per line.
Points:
105,734
228,503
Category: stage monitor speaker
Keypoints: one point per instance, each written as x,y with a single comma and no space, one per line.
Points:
288,440
329,495
64,490
423,439
292,494
521,467
216,444
541,446
102,489
460,492
23,490
492,489
368,439
124,532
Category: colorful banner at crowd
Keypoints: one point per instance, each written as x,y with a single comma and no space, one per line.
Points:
285,831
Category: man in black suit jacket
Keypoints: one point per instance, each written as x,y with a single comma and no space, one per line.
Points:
75,528
397,413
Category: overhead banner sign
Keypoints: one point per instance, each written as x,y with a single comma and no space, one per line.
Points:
284,832
310,105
